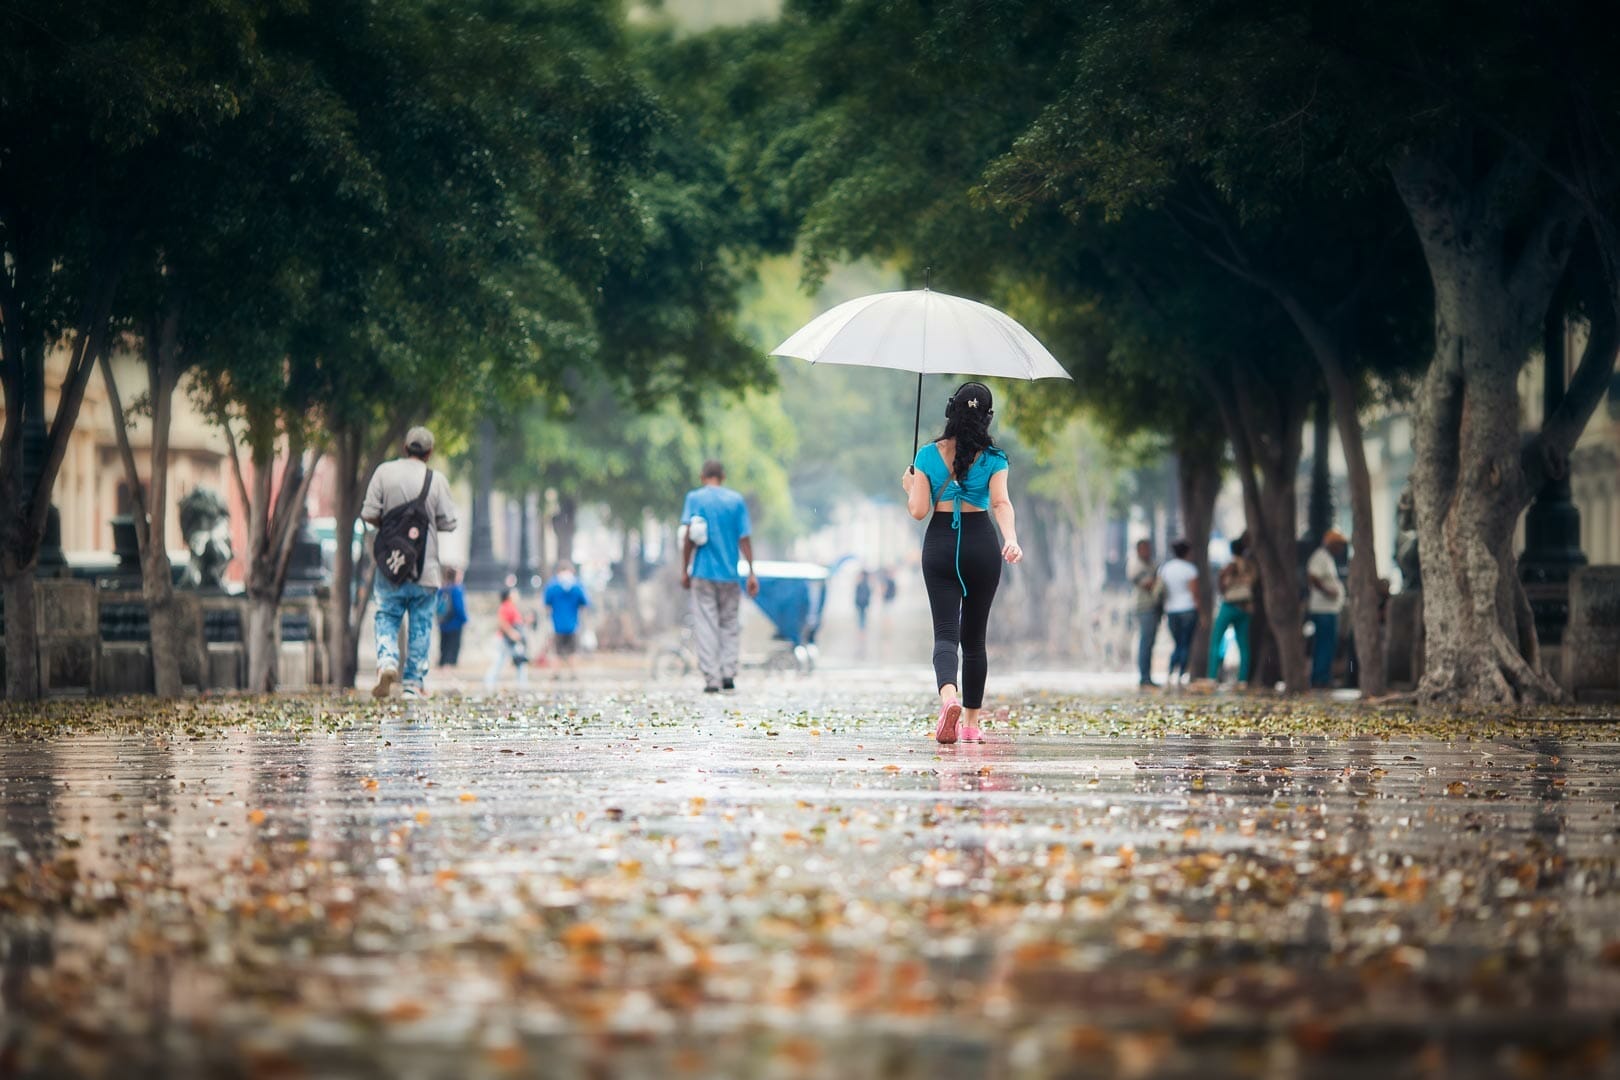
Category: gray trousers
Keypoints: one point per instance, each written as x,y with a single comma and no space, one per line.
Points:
714,625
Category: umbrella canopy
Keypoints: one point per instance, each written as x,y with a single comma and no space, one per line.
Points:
928,332
931,333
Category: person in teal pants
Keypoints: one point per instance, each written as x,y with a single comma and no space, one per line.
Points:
1237,582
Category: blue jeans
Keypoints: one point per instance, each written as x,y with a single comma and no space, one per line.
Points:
394,603
1183,624
1324,645
1147,629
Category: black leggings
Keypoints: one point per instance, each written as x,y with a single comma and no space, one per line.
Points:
961,620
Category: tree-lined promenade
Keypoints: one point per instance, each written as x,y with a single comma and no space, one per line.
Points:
335,220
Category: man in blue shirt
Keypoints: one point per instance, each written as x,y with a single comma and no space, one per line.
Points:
717,531
565,596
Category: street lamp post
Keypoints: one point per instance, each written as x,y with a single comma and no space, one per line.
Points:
1552,525
484,574
36,441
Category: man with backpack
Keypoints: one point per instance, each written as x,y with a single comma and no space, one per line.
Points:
410,505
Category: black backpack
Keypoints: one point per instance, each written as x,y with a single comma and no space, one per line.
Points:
402,537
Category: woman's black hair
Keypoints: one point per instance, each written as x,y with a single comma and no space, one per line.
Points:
1240,546
967,420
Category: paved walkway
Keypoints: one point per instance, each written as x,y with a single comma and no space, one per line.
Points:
794,882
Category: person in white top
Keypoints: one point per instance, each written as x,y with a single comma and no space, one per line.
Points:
1325,601
1179,577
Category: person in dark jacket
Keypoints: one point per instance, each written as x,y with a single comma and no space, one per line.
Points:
863,598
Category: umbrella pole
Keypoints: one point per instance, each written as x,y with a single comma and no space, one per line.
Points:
916,428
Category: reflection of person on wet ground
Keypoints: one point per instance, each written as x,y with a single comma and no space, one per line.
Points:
958,477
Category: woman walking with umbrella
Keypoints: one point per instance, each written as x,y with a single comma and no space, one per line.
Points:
961,474
958,478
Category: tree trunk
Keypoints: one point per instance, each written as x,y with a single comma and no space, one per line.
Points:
541,555
366,578
23,677
1364,592
525,569
1279,577
263,611
1264,421
1039,565
273,511
1479,639
1319,506
1468,479
27,498
342,634
1062,587
563,523
1329,351
167,638
632,582
1198,476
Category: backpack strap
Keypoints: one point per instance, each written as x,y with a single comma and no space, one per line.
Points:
427,482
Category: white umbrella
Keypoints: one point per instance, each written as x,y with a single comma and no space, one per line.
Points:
931,333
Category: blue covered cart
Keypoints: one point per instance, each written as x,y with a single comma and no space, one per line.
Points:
792,595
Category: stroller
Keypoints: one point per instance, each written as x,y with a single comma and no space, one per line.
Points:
792,595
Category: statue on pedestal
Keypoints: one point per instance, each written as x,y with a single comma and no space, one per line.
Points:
205,521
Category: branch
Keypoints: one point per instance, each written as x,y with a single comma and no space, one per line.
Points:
1546,455
276,516
283,547
1370,277
1242,451
92,339
1241,271
161,388
1535,275
236,468
1432,195
132,473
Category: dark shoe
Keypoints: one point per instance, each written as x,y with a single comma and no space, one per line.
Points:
1148,684
728,684
711,689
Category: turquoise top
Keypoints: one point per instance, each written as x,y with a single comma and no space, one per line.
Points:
975,490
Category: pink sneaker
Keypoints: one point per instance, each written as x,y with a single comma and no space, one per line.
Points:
971,733
945,732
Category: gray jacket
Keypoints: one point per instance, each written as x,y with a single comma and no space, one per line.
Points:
396,483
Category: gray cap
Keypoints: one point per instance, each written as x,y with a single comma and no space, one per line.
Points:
419,440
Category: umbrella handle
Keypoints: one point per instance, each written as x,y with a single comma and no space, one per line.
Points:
916,428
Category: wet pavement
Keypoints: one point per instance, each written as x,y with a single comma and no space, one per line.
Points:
598,882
